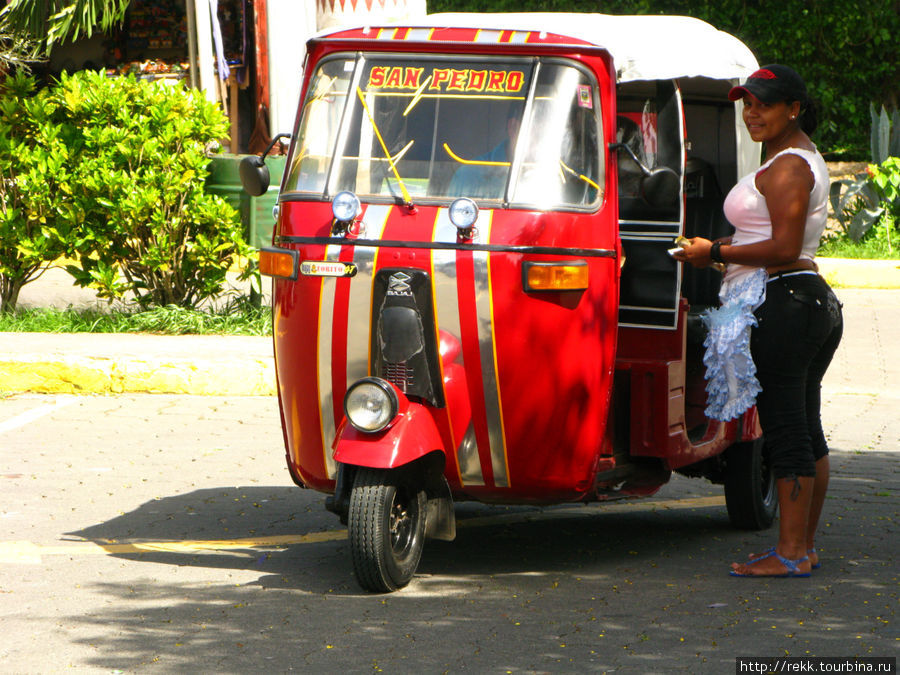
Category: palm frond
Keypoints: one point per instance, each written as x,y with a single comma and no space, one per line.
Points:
56,21
18,50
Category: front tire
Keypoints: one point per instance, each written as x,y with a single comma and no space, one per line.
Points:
750,494
386,523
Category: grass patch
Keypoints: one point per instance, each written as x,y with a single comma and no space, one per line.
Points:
868,249
235,319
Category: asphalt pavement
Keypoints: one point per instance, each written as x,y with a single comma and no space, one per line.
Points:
161,533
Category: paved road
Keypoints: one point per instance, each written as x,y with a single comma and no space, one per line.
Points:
161,533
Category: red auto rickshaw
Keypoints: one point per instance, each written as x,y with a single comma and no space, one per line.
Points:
472,295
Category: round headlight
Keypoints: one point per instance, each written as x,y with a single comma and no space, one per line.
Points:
463,213
371,404
345,206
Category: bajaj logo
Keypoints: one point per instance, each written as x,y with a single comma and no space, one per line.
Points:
398,284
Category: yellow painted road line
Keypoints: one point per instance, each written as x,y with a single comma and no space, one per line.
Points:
28,553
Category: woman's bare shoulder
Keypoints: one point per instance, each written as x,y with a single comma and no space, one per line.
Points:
787,168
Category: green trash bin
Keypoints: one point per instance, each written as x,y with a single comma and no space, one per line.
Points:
256,212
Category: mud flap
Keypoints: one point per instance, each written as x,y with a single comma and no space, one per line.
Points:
440,522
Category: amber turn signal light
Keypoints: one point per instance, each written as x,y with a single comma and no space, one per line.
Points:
568,276
278,262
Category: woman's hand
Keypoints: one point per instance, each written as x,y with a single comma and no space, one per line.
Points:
695,251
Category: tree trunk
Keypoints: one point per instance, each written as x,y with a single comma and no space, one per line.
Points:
9,293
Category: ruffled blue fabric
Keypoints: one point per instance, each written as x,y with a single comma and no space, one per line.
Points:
730,372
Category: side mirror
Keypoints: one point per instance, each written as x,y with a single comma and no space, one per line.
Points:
254,175
254,172
661,187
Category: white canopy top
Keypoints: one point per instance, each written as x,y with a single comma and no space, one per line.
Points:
647,47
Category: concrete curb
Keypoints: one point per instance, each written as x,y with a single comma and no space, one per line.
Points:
849,273
113,364
78,375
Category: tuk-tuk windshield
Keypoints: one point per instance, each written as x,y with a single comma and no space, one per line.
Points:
415,127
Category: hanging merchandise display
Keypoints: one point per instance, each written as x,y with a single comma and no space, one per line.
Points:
153,41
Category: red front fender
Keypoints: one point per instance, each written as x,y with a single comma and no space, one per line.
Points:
412,436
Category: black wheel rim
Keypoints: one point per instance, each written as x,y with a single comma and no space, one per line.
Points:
401,523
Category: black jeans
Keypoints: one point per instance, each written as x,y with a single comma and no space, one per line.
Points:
800,327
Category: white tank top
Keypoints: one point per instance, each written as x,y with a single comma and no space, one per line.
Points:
745,207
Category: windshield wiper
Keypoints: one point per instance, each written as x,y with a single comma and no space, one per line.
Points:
580,176
407,199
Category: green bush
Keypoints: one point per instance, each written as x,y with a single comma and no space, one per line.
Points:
856,205
110,172
138,183
867,207
34,186
147,227
886,179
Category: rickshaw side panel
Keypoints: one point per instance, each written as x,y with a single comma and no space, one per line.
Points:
654,363
296,317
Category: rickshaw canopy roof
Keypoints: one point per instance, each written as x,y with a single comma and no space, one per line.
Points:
646,47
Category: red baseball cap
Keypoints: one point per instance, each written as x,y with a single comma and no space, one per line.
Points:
771,84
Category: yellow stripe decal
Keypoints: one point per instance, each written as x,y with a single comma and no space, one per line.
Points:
323,361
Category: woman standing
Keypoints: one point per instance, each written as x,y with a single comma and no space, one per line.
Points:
779,214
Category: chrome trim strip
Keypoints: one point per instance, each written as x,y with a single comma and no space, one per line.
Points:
359,311
487,36
419,34
672,310
323,361
670,234
640,308
645,237
440,245
658,223
486,345
446,300
645,326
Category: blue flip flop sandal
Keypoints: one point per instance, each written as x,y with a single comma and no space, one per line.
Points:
765,554
791,565
810,552
768,552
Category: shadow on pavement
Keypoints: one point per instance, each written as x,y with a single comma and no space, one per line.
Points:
524,589
859,522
